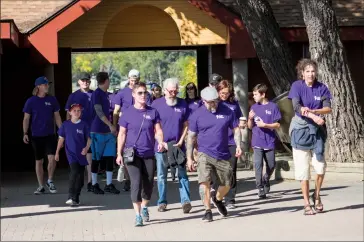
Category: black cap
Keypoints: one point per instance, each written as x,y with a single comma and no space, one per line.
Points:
84,76
215,79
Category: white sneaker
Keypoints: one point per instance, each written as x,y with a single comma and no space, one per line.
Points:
69,201
40,190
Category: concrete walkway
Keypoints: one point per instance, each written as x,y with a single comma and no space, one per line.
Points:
25,216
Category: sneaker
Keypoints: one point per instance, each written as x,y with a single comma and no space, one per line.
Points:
69,201
89,187
145,214
220,207
51,187
111,189
126,187
96,189
40,190
186,207
261,194
230,206
138,221
162,207
75,203
266,187
208,216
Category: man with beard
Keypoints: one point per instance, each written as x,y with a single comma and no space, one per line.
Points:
174,113
210,125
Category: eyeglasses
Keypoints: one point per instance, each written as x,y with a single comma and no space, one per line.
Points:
190,88
175,92
142,93
157,90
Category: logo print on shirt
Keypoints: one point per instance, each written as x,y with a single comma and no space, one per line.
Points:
147,116
317,98
47,103
177,110
268,112
79,131
219,116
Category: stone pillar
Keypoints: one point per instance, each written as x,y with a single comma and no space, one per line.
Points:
240,81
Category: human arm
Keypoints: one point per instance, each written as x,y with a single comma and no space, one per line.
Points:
87,147
191,139
26,128
59,147
237,139
250,119
57,118
101,115
121,144
184,134
159,136
116,114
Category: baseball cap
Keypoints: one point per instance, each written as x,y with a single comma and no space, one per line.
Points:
209,94
242,118
41,80
75,105
84,76
214,79
134,73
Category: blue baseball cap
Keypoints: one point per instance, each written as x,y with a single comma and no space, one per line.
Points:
41,80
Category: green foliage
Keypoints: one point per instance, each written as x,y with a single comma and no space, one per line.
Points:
154,66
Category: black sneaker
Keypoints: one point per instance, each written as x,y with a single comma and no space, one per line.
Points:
89,187
220,207
186,207
267,187
111,189
261,194
96,189
126,187
40,190
51,187
208,216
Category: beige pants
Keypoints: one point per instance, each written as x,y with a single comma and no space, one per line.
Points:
302,159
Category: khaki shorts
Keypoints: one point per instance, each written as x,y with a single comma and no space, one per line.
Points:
302,159
208,167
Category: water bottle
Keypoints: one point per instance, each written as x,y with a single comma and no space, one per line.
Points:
120,177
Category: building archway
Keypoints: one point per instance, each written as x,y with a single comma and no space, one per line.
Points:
141,26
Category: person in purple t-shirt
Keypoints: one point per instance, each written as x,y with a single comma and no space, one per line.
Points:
76,133
311,100
226,94
174,114
263,119
139,127
192,98
210,124
103,134
43,110
83,97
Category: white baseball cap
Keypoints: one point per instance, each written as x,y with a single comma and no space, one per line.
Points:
209,94
134,74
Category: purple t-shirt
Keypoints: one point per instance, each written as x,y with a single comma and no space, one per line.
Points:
75,135
172,118
264,138
125,99
213,130
42,111
193,104
112,105
131,120
102,98
234,106
83,98
311,97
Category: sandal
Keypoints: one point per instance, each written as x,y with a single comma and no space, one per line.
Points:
319,207
307,210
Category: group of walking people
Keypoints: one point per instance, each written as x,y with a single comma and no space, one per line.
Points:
147,132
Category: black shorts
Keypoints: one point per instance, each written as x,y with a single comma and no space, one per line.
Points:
43,146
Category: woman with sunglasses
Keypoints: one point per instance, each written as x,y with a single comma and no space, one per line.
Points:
139,127
226,95
156,92
192,98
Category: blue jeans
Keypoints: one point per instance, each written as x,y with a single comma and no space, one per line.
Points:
184,184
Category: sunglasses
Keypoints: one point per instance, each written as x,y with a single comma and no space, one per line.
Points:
172,91
190,88
86,80
141,93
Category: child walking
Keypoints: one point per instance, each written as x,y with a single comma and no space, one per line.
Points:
263,119
76,133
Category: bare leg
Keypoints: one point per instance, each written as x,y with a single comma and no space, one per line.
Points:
221,192
145,203
89,159
137,208
305,191
39,171
205,191
319,181
51,166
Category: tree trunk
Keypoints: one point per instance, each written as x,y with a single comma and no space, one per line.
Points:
271,48
346,124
